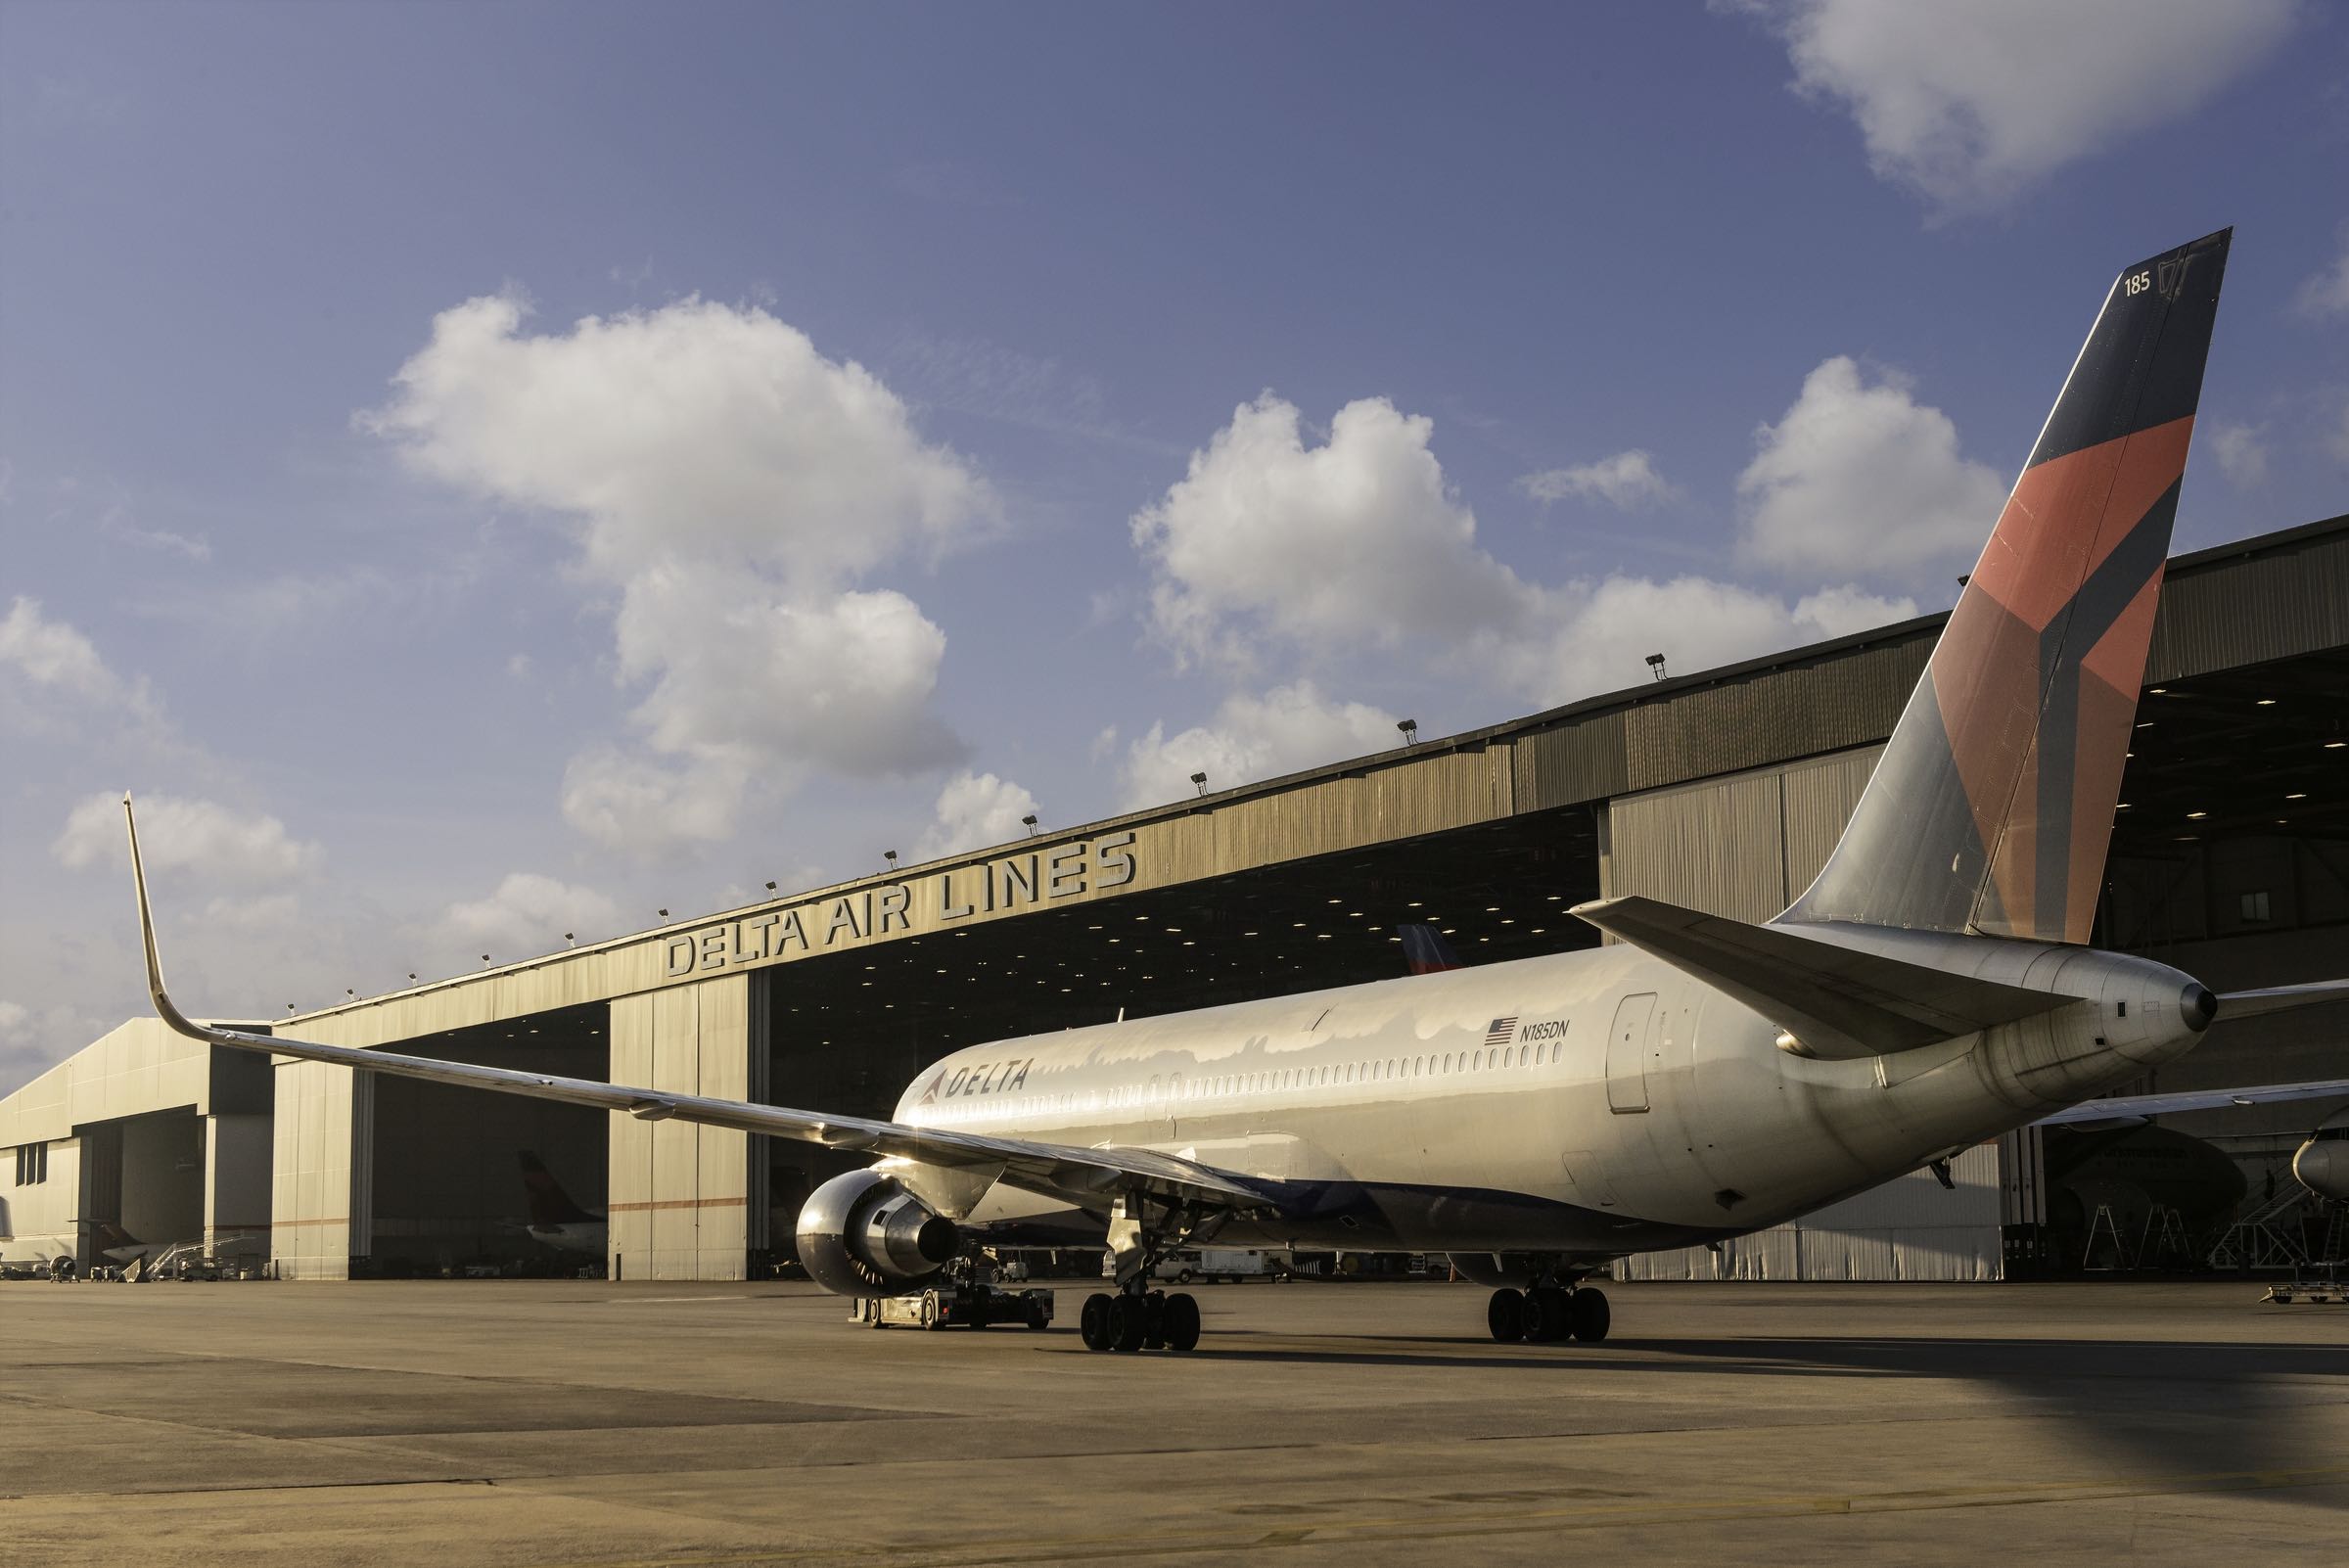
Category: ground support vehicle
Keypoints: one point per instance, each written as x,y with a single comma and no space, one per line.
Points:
955,1307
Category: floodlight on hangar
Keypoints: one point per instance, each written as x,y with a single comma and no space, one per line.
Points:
1410,730
1200,779
1029,822
770,886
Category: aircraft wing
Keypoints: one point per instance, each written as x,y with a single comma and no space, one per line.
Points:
2130,1109
1079,1175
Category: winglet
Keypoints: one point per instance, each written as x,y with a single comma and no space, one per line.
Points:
164,1007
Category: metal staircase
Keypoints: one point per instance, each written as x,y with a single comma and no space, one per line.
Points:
2265,1234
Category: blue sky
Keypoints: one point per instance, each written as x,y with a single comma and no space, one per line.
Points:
987,409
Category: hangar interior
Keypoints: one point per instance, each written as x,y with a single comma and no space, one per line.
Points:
445,1189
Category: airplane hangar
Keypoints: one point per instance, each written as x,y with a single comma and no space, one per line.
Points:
1722,790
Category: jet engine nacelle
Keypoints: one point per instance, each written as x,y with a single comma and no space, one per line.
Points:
2323,1167
863,1235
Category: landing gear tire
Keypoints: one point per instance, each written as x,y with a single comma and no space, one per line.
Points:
1546,1313
1092,1325
1590,1314
1504,1314
1154,1320
1034,1316
1181,1322
1129,1322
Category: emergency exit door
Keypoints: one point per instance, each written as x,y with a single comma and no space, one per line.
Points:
1627,1052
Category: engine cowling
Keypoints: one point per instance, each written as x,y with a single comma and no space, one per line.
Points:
863,1235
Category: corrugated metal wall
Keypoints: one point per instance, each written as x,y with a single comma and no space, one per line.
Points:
1742,846
2205,620
679,1193
1910,1228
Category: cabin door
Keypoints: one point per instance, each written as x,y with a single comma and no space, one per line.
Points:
1627,1052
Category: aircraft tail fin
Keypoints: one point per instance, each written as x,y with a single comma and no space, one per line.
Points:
1992,807
1425,951
550,1205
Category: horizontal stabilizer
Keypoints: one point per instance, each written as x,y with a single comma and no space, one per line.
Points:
1839,1001
2276,998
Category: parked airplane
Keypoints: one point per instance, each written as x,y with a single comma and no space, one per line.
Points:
107,1238
2320,1165
1699,1079
1425,952
554,1219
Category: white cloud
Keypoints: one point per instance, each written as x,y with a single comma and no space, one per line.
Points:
1627,482
1359,540
1602,633
645,805
2327,292
975,811
43,656
734,486
1268,546
202,836
2242,455
527,914
1863,479
1972,101
1252,737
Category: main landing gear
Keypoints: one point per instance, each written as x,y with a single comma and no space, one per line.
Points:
1142,1230
1140,1321
1548,1312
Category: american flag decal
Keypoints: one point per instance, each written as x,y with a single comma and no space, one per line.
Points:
1501,1029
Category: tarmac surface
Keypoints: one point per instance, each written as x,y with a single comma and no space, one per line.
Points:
547,1423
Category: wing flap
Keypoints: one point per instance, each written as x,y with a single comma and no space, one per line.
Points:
1840,1002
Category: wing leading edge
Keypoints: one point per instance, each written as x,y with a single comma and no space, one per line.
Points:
1080,1175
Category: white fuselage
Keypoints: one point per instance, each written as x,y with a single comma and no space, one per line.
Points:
36,1252
1599,1102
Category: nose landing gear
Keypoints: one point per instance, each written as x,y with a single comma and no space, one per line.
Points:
1548,1313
